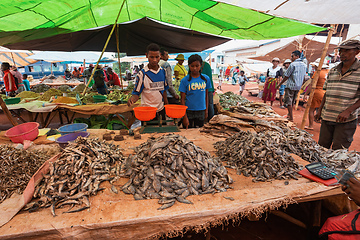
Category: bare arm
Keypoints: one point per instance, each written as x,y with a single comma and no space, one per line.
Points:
133,99
281,83
176,73
10,81
165,97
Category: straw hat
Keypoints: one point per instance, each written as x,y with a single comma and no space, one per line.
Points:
316,63
275,59
350,44
180,57
287,61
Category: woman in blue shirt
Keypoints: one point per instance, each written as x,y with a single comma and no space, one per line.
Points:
194,91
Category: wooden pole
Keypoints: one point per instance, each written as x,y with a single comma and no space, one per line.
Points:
118,53
316,75
7,112
106,43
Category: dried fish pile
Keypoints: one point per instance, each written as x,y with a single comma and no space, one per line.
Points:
229,99
17,167
340,159
258,155
301,143
77,175
170,168
256,109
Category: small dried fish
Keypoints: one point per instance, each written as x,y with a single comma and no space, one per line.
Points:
171,168
78,173
17,166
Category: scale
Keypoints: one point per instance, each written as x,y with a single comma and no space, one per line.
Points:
147,114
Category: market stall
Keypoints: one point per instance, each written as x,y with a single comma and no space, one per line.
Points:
117,215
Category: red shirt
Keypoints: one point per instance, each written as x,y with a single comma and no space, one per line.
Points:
114,77
7,81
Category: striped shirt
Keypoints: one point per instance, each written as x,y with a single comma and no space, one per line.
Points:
342,91
296,73
151,85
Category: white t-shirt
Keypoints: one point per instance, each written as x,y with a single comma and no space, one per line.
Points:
272,71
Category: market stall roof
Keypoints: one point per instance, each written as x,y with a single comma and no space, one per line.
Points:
318,11
16,58
134,37
36,19
68,57
312,48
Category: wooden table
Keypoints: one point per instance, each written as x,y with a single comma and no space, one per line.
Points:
119,216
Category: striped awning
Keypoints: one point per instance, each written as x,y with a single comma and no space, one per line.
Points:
16,58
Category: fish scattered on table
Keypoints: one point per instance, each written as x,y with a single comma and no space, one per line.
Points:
77,175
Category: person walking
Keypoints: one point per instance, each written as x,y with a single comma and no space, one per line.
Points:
286,65
318,92
242,80
294,76
339,107
273,77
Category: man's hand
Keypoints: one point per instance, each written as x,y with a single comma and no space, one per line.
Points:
317,117
343,116
353,190
133,99
206,114
185,122
176,97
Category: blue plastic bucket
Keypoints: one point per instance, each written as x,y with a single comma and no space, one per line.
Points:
71,128
64,140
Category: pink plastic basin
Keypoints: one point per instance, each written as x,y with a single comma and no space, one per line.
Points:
25,131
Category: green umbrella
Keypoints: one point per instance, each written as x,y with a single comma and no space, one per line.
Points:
35,19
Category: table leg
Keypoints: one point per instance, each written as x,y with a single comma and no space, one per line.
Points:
61,121
122,120
316,216
72,117
30,114
50,119
36,116
18,115
67,117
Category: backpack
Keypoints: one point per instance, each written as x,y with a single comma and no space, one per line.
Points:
99,79
16,80
345,226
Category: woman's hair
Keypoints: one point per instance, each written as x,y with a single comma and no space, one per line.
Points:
194,58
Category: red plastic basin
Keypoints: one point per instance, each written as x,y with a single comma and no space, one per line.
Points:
145,113
175,111
25,131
